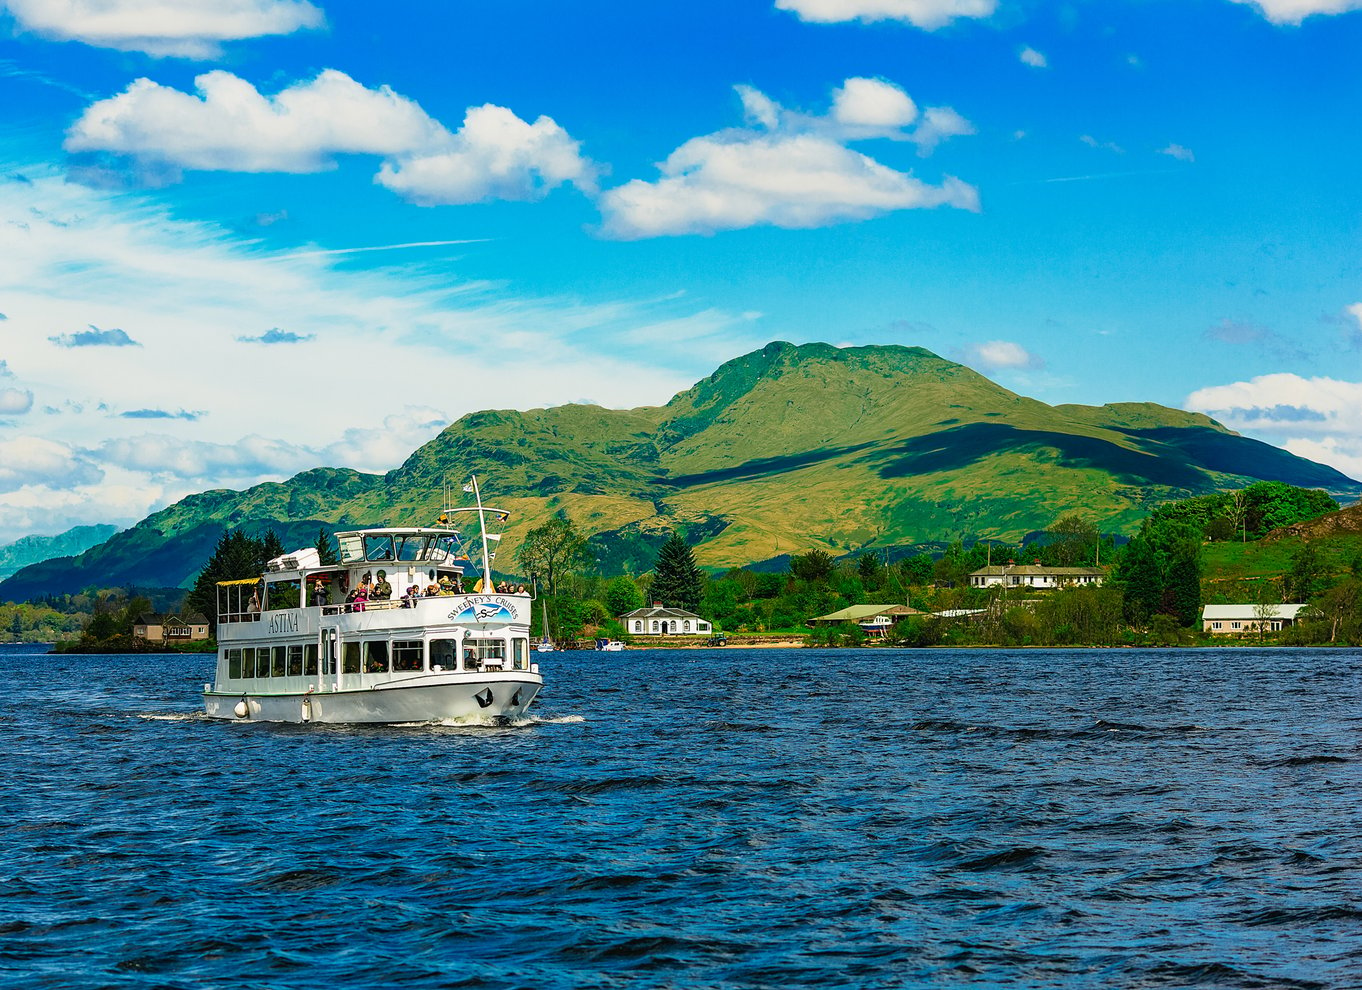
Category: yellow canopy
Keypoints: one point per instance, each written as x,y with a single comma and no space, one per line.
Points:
254,580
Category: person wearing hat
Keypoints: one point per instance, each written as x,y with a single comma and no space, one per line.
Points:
446,585
382,591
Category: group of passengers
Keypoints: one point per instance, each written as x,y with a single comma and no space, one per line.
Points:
369,590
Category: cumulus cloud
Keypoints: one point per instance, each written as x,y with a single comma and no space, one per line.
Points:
229,125
95,337
4,370
790,169
1029,56
232,126
997,355
1319,418
1295,11
1179,152
35,461
185,28
277,336
494,155
15,401
926,14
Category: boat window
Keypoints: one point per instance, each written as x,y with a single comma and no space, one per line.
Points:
350,658
408,655
442,548
520,652
351,548
233,663
277,663
282,594
310,659
412,547
444,654
295,661
248,662
378,547
376,657
479,653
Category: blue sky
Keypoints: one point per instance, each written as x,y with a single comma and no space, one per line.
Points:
247,237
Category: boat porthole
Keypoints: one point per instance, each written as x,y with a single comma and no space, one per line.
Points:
515,698
483,697
242,709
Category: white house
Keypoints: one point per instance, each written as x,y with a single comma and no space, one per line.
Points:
1231,620
874,619
657,620
1035,576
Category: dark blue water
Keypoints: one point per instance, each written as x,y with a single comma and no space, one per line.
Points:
700,819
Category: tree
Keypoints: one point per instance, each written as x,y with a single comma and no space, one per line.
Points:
325,555
816,565
1182,588
622,596
550,550
1073,538
270,547
1306,576
235,557
1265,609
1138,576
870,568
677,581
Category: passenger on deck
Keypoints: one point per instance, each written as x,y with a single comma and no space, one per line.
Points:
413,593
382,591
321,593
446,586
254,604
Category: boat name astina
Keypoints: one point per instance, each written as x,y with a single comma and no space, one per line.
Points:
283,622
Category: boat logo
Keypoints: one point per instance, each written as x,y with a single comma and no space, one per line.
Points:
485,609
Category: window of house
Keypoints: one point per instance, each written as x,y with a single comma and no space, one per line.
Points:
408,655
638,626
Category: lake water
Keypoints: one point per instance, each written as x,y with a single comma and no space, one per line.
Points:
706,819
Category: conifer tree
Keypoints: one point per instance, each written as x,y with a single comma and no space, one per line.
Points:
676,579
325,555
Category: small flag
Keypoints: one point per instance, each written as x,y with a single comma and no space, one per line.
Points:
494,536
468,488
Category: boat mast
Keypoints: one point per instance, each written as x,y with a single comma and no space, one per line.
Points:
482,526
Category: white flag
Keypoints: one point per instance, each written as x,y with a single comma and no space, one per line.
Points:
468,488
494,536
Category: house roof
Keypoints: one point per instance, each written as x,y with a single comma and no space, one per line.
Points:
1250,612
859,613
659,612
998,570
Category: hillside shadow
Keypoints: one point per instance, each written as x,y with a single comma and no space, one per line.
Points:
1218,451
954,449
761,467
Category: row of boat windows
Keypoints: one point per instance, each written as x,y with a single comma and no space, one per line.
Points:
378,656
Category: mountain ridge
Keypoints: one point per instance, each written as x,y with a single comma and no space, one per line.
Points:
787,447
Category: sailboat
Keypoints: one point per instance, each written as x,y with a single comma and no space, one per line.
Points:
545,644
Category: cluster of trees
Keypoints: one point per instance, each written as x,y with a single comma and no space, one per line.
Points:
1247,514
34,622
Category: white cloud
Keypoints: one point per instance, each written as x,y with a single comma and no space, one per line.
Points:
872,104
15,401
926,14
1029,56
32,460
231,126
790,169
1319,418
1295,11
187,28
494,155
1092,142
1179,152
1000,354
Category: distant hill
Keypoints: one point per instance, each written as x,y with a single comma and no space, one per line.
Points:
34,549
779,451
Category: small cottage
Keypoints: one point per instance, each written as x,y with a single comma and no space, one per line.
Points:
658,620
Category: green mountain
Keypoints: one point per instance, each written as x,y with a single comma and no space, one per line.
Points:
781,450
34,549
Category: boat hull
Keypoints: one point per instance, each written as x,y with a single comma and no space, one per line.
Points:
472,699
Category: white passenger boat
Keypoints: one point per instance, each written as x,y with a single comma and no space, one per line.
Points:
292,649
